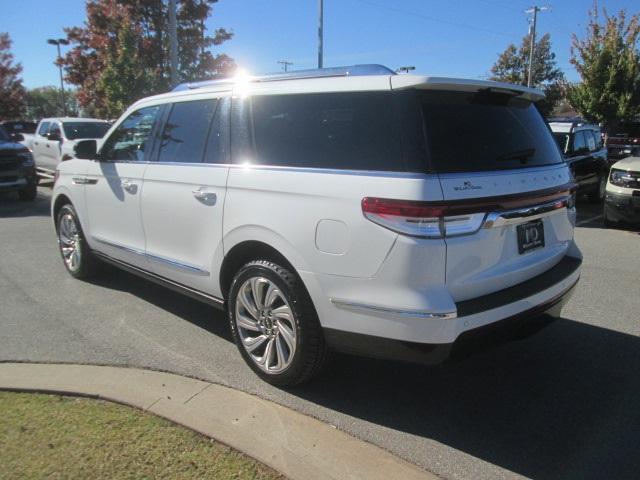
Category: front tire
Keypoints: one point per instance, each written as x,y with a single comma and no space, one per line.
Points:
75,252
275,325
597,196
29,193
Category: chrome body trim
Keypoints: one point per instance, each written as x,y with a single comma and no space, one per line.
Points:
510,217
84,181
392,312
177,265
156,258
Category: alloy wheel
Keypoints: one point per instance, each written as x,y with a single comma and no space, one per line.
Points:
69,241
265,324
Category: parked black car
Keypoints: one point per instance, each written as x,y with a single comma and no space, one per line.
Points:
582,146
17,170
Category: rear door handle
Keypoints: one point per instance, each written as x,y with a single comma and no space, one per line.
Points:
129,187
205,197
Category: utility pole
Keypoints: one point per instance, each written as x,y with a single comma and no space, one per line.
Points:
535,9
320,22
57,43
285,64
173,43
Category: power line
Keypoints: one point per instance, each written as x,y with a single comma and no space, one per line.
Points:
435,19
285,64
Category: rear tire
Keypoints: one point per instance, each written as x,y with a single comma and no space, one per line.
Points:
275,325
29,193
597,196
76,254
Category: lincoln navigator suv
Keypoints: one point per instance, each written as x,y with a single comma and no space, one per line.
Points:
344,209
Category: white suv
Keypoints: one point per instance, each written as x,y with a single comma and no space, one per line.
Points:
346,209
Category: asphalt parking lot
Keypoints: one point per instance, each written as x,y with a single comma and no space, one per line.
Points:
562,404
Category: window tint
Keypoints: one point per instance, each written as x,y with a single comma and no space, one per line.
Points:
44,128
185,133
329,130
128,141
485,130
74,130
217,150
579,142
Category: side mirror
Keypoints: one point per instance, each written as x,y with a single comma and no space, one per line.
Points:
86,150
17,137
54,137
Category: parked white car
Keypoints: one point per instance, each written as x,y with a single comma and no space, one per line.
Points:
55,139
352,209
622,200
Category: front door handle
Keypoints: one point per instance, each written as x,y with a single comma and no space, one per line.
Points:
129,186
201,194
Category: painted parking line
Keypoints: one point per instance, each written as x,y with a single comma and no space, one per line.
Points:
589,220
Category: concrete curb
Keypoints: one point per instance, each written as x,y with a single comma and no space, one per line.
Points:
298,446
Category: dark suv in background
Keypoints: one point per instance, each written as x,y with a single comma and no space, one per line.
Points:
17,170
583,148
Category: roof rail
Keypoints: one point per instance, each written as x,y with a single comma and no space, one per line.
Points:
350,71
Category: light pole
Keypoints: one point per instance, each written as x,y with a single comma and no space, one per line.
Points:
535,9
57,43
320,31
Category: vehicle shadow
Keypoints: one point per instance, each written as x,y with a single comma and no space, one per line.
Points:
12,206
198,313
562,404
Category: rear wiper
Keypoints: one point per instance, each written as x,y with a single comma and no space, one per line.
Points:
522,155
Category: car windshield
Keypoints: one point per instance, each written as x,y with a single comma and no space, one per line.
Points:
3,135
562,139
73,130
485,130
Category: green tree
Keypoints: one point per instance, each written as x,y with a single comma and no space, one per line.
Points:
44,102
11,89
109,79
512,66
608,62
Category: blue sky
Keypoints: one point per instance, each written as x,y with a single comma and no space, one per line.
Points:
445,37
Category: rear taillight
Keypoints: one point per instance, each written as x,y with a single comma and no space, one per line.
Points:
421,219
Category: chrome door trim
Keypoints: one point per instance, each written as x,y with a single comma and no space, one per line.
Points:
177,265
510,217
135,251
392,312
157,258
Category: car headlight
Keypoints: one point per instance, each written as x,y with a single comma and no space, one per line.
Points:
27,159
621,178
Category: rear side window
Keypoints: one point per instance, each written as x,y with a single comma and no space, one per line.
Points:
328,130
44,129
485,130
186,130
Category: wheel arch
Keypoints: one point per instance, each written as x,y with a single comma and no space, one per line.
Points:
60,200
244,252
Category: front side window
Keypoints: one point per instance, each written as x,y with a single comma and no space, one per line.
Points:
130,139
44,128
327,130
55,130
186,131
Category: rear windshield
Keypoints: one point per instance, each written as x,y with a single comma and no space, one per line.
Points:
480,131
73,130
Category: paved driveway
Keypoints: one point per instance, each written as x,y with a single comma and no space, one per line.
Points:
563,404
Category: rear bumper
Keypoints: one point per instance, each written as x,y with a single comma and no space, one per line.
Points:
483,322
622,208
